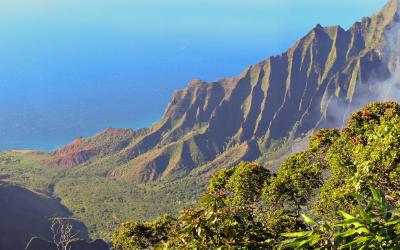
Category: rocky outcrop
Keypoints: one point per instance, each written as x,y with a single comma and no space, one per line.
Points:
283,96
108,142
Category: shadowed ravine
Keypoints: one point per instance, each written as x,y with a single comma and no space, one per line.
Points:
25,214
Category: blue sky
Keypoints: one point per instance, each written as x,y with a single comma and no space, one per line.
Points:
74,67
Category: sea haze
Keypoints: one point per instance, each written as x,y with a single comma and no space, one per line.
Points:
71,68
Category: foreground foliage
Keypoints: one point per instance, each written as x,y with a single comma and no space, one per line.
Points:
226,216
142,235
336,179
374,224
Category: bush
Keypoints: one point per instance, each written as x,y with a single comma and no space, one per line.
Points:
134,235
374,224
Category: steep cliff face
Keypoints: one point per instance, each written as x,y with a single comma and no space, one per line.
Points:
281,97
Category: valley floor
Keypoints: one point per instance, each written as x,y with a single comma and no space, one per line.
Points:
100,202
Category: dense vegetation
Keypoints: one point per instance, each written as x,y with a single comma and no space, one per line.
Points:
347,179
89,194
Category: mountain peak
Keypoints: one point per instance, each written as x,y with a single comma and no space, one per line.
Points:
391,9
388,14
318,27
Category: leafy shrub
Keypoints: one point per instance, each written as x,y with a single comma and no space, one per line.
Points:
134,235
374,224
226,216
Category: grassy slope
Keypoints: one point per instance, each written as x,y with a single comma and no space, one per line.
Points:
100,202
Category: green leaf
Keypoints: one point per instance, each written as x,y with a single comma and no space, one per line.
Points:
356,222
308,220
302,243
364,214
346,215
392,222
346,233
356,242
326,226
297,234
379,238
288,243
363,230
314,239
377,195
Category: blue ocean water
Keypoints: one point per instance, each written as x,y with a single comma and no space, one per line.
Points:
71,68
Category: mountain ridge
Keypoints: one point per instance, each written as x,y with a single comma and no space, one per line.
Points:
280,98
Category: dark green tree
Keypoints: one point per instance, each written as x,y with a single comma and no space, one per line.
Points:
289,191
226,217
147,235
